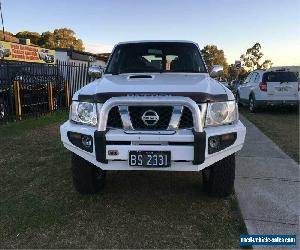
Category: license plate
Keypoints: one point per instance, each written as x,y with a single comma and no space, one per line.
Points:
153,159
282,89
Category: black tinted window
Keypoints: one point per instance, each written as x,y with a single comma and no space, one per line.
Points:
280,77
156,57
253,77
248,78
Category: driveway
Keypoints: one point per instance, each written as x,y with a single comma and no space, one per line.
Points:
267,186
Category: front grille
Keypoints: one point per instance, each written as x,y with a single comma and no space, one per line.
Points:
114,118
164,113
186,120
136,113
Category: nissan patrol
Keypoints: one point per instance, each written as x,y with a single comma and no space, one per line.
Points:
155,107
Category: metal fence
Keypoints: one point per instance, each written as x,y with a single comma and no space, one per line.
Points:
32,89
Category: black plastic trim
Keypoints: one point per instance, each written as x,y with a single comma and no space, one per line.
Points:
76,139
118,143
199,147
100,146
223,144
178,143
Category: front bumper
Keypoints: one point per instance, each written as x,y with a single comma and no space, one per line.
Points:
180,143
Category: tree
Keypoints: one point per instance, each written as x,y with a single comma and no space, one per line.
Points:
47,40
212,56
61,38
243,73
251,59
8,37
33,36
233,74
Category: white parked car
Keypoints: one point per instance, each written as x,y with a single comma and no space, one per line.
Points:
225,83
155,108
272,87
4,52
46,56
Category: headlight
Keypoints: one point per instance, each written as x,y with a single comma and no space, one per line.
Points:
220,113
84,112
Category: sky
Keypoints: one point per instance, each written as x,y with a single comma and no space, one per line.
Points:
232,25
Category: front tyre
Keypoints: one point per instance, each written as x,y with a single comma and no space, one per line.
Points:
87,178
218,179
237,99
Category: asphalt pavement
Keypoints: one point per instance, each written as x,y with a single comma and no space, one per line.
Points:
267,186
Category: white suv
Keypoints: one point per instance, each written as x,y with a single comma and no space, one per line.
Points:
272,87
155,108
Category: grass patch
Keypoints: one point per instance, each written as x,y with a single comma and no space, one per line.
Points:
281,125
41,209
19,127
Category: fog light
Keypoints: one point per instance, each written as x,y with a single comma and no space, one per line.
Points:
219,142
86,141
214,141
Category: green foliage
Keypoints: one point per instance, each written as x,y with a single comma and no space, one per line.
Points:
238,75
232,73
212,56
243,73
251,59
33,36
8,37
281,125
18,128
59,38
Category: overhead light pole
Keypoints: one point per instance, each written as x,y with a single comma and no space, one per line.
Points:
2,21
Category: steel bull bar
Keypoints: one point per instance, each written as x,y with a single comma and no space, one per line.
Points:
198,120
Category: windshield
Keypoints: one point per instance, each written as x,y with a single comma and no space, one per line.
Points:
156,57
280,77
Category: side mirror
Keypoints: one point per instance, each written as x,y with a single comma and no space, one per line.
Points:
95,71
217,71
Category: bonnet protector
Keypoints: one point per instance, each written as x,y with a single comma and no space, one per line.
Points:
198,97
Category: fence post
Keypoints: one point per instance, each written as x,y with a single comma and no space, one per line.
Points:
67,92
17,100
50,96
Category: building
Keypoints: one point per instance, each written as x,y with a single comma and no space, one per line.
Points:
79,62
80,57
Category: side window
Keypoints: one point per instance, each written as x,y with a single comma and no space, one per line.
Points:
248,78
252,79
257,78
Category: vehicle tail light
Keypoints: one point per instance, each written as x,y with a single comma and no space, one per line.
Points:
263,86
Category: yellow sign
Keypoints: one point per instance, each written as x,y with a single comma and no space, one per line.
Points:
26,53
